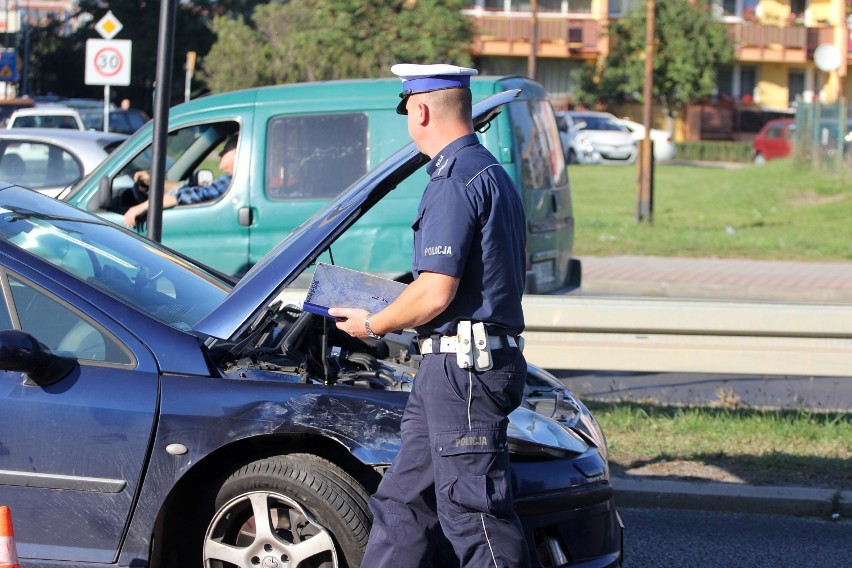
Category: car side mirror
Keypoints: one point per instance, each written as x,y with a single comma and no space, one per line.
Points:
203,177
20,351
103,196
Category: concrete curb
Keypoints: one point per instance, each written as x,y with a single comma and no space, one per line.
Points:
711,496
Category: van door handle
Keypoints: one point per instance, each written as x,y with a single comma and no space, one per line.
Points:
555,202
245,216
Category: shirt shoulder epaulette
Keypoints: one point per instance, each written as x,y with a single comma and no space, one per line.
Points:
443,167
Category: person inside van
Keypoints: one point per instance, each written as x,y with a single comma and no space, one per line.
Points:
176,194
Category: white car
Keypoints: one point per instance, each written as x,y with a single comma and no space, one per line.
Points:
46,116
595,138
664,146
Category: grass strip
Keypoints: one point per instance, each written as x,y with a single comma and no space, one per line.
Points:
782,210
762,447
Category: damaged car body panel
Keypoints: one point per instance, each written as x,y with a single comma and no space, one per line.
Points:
198,421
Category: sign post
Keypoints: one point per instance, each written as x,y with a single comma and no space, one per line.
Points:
108,60
10,23
190,69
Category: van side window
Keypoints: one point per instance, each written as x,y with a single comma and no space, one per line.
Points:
539,152
316,156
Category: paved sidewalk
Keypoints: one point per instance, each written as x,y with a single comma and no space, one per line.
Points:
821,282
730,279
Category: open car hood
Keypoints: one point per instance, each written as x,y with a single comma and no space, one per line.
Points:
249,302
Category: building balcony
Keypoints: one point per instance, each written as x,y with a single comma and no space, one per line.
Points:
558,35
790,44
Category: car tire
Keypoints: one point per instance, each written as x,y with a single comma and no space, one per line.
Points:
317,513
572,156
759,159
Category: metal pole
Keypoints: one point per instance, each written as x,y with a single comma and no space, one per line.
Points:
531,61
162,100
645,205
6,46
190,69
841,129
106,108
25,82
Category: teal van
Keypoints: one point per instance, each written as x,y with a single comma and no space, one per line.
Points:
302,144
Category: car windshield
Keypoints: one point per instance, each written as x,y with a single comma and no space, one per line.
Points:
132,269
593,122
123,121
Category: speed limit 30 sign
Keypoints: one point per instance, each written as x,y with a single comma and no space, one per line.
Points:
108,62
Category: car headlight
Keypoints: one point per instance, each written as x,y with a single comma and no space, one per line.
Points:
532,434
590,428
559,404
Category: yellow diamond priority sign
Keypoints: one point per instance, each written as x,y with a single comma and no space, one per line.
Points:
108,26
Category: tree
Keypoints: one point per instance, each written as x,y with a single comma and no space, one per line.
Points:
56,61
689,47
316,40
53,61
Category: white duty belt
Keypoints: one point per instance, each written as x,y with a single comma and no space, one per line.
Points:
450,344
471,344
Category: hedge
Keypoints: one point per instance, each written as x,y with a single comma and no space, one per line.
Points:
715,151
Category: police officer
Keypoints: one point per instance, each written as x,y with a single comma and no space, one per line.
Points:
452,471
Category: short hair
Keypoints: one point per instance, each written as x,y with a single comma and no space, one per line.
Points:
230,144
452,103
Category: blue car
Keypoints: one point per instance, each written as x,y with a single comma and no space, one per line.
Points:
158,413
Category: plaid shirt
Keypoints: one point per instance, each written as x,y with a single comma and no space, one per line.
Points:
199,193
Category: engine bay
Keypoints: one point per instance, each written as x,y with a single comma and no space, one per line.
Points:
310,347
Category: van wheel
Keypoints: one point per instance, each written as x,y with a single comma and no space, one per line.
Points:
759,159
288,510
572,156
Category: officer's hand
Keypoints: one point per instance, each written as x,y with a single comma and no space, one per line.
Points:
351,321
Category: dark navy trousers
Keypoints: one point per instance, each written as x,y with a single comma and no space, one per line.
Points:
452,472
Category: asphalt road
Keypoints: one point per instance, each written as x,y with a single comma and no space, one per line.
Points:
761,391
668,538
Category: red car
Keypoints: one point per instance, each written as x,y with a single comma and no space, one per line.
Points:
775,140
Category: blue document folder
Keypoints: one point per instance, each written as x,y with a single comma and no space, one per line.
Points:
338,287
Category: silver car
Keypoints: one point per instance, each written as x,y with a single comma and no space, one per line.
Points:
595,138
663,145
51,159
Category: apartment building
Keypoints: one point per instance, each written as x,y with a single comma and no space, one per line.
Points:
775,42
16,14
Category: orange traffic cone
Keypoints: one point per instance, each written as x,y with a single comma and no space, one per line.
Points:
8,554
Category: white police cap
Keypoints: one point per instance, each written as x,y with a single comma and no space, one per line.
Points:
426,78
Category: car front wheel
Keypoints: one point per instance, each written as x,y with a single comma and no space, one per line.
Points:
291,510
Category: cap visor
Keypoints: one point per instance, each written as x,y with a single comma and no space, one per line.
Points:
400,108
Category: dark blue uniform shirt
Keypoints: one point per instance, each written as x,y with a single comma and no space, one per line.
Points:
470,224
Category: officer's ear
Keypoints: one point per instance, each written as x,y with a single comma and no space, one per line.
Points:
422,113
